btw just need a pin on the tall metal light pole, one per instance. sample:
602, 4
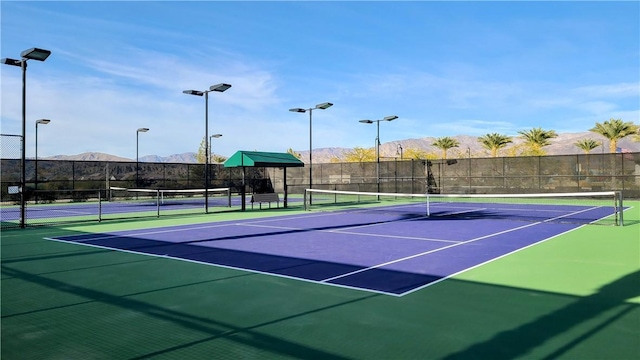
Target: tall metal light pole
211, 141
29, 54
322, 106
137, 159
387, 118
218, 88
43, 122
214, 136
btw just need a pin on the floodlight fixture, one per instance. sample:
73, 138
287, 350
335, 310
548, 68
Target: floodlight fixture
194, 92
366, 121
36, 54
390, 118
143, 129
43, 121
300, 110
216, 136
9, 61
323, 106
219, 87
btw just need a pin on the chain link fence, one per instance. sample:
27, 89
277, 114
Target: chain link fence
511, 175
10, 168
81, 181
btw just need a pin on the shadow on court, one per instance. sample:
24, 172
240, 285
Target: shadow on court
345, 325
64, 301
517, 342
301, 267
201, 324
309, 248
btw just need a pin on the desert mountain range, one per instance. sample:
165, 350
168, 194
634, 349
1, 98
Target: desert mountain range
564, 144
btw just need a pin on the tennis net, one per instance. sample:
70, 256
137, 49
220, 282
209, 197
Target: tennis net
166, 197
604, 207
121, 200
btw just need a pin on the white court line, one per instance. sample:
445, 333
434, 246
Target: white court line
179, 228
332, 213
348, 233
540, 210
486, 262
124, 233
321, 282
226, 267
448, 213
428, 252
450, 246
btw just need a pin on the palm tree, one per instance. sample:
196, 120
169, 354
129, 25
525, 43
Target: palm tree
614, 130
536, 139
587, 145
494, 142
445, 143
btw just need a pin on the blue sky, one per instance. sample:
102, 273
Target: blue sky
444, 68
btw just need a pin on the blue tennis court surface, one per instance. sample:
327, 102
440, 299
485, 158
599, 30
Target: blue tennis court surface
387, 252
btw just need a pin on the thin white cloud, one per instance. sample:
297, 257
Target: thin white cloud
610, 90
97, 102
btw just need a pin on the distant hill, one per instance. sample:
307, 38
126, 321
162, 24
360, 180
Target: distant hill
189, 157
562, 145
88, 156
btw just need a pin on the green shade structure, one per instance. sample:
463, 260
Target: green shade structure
262, 159
246, 159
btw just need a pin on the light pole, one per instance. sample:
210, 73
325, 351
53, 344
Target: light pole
211, 141
322, 106
43, 122
143, 130
29, 54
399, 150
218, 88
386, 118
216, 136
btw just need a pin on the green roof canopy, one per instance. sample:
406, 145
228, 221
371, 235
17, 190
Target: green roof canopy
262, 159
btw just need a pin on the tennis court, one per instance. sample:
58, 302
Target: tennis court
392, 249
484, 280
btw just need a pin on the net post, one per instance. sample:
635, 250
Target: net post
428, 205
158, 202
620, 209
229, 197
100, 205
304, 199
